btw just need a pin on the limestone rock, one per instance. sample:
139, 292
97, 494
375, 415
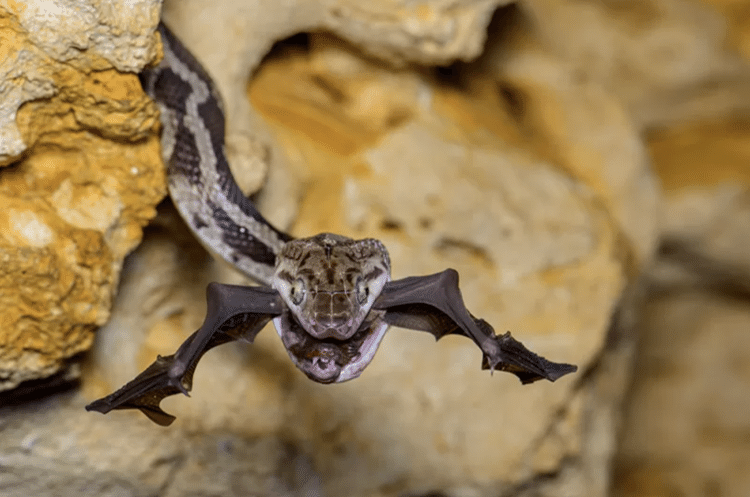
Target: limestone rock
694, 347
666, 60
82, 174
232, 39
55, 452
681, 428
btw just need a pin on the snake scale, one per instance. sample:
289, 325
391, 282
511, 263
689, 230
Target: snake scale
331, 298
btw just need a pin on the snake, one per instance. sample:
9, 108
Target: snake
328, 282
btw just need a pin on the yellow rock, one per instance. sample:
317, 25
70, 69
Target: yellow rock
82, 176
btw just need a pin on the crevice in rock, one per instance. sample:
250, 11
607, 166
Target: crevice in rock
537, 486
64, 380
175, 464
713, 275
450, 247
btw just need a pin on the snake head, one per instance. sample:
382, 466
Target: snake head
329, 283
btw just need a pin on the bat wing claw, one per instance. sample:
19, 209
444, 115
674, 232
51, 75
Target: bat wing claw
144, 392
513, 357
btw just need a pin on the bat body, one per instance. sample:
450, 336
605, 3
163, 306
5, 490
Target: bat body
425, 303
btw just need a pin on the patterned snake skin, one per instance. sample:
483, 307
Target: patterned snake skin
342, 276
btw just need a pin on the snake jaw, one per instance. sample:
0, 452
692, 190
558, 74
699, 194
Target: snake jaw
329, 284
329, 360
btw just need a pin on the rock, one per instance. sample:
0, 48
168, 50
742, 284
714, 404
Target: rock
690, 392
665, 60
82, 174
80, 458
694, 347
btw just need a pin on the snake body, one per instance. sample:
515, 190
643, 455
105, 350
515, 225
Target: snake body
328, 282
200, 180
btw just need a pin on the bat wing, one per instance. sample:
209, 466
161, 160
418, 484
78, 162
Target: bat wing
434, 304
234, 312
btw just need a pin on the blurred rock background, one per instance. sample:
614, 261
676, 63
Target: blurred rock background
583, 164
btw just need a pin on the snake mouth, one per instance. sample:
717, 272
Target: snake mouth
331, 360
321, 363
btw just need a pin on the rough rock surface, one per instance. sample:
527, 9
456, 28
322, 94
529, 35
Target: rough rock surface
82, 174
523, 166
684, 429
666, 60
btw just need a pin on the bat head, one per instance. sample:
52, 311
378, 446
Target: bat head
329, 283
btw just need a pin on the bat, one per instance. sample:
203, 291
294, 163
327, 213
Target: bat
431, 304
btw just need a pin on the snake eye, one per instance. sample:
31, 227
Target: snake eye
362, 291
297, 291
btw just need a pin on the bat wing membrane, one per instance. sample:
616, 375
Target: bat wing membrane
434, 304
427, 303
234, 312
